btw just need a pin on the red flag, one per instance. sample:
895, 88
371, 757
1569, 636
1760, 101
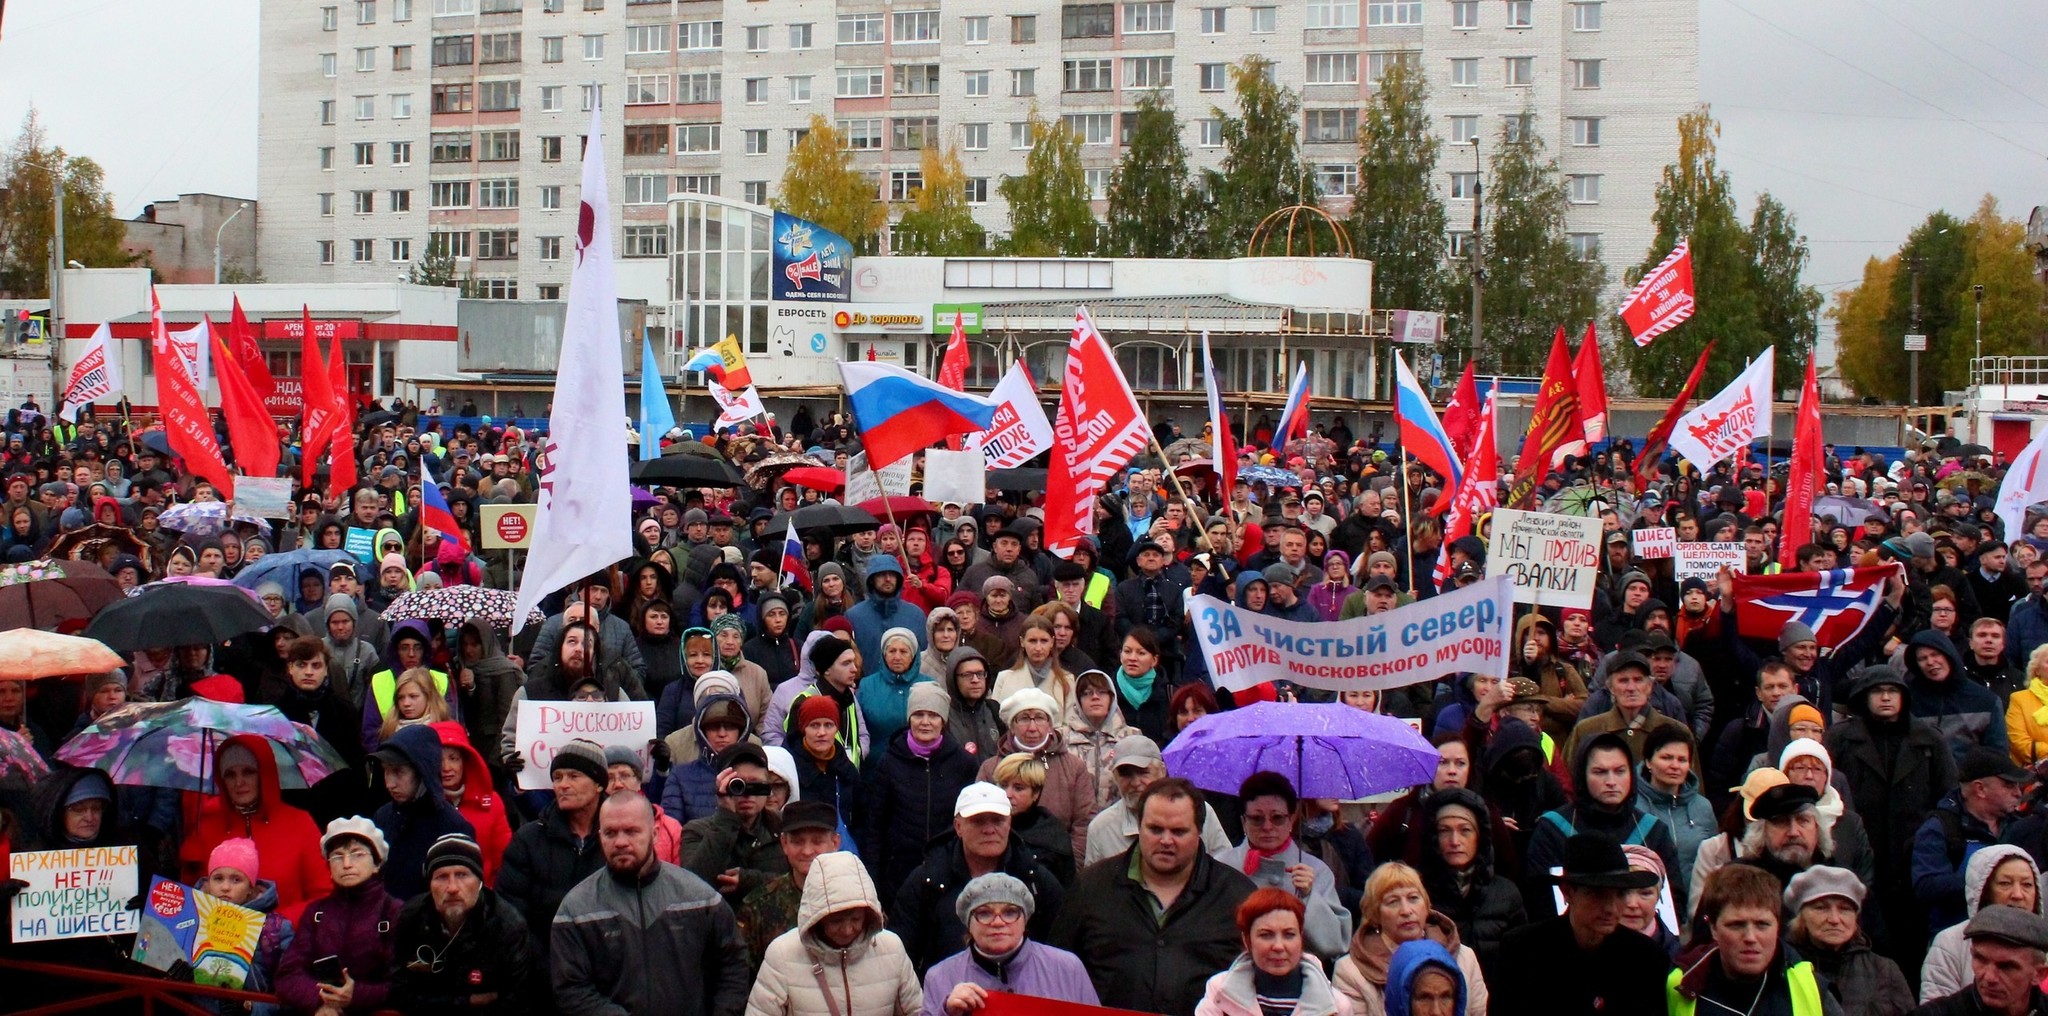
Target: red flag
1660, 435
1461, 414
871, 352
1592, 381
1554, 428
249, 425
248, 355
1664, 297
1093, 393
1476, 494
186, 424
1804, 473
1835, 604
953, 369
341, 456
318, 400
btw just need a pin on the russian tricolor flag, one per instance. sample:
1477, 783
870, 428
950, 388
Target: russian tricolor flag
794, 571
1421, 433
435, 514
900, 413
1294, 418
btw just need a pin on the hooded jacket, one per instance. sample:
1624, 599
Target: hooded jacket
1234, 992
977, 725
800, 969
1896, 771
1518, 783
1562, 684
876, 614
1483, 902
354, 662
358, 926
909, 804
410, 827
481, 805
287, 841
1095, 744
1965, 712
379, 697
885, 694
496, 682
662, 942
1408, 963
1363, 974
1947, 968
1625, 823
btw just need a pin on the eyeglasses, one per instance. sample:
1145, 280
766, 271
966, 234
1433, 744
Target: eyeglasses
1268, 820
998, 915
356, 855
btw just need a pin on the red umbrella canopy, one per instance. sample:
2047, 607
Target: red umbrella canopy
823, 479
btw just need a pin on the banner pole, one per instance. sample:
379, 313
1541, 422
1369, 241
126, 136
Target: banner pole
1174, 478
888, 507
1408, 522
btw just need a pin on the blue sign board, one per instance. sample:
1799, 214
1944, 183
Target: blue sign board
810, 262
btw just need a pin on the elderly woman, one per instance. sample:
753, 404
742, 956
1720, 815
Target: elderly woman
996, 908
1998, 874
1271, 856
1094, 724
1424, 980
1273, 973
941, 636
1070, 789
1639, 906
1397, 912
1022, 777
1824, 902
352, 924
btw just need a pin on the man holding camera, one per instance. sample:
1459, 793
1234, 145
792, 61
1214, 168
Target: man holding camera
737, 847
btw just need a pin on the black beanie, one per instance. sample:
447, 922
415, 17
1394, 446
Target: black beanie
826, 651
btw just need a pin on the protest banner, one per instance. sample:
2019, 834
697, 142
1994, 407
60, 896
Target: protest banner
864, 484
76, 893
1655, 543
1553, 560
266, 497
1464, 631
361, 543
217, 939
1705, 560
1020, 429
545, 727
959, 477
1002, 1003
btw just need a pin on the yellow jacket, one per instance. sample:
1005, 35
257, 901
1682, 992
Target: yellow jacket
2026, 723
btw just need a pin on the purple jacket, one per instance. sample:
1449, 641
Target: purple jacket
357, 925
1039, 970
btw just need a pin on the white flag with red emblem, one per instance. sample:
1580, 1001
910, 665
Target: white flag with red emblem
1098, 430
1663, 299
96, 375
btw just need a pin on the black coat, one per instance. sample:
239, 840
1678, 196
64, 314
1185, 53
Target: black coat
491, 954
908, 804
923, 915
1487, 904
1964, 1003
413, 826
1144, 963
1541, 971
1047, 840
543, 863
1896, 773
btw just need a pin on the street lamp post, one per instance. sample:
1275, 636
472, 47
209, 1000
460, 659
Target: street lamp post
1478, 249
1977, 361
243, 207
56, 284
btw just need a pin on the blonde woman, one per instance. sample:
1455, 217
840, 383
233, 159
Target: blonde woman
414, 700
2026, 713
1397, 911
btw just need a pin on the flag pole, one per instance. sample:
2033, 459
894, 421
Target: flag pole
1179, 491
1407, 521
888, 507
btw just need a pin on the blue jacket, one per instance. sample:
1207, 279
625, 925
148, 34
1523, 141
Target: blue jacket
413, 826
877, 613
885, 699
690, 792
1965, 713
1408, 961
2027, 629
1941, 851
1689, 815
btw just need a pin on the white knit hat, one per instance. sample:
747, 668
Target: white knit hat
360, 828
1028, 698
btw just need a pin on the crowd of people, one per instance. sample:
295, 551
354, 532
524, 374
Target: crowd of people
932, 768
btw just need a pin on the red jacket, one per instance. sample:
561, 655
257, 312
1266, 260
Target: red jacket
480, 802
287, 840
938, 584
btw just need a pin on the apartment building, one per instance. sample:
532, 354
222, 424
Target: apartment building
392, 126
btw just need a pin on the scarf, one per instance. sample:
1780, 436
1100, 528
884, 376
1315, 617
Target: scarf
923, 749
1040, 675
2040, 692
1138, 690
1253, 855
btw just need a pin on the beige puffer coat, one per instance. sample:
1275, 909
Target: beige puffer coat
871, 977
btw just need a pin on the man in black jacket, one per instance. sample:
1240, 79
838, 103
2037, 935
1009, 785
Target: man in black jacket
2006, 967
461, 947
552, 853
923, 914
1153, 922
1584, 962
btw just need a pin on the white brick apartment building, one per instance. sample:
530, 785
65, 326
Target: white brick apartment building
389, 124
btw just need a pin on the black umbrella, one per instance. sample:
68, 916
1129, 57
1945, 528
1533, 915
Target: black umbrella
836, 519
1019, 479
180, 614
687, 471
1970, 451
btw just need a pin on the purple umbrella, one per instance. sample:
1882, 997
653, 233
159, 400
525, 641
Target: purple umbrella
643, 498
1325, 750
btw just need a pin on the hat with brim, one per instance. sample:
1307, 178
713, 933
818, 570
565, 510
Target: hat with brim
1596, 862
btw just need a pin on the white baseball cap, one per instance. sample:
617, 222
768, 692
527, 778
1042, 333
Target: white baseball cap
981, 799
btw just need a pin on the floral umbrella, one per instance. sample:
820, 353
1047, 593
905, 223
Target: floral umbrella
764, 472
171, 744
46, 594
452, 605
1269, 474
19, 761
205, 518
86, 542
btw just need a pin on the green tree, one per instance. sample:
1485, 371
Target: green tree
92, 234
1397, 219
1152, 204
1534, 281
1787, 309
1936, 252
939, 223
1262, 168
1869, 353
1696, 201
1995, 257
434, 268
1050, 214
820, 183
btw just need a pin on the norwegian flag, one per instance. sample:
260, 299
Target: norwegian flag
1835, 604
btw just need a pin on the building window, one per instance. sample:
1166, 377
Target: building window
1520, 14
330, 64
1518, 70
401, 250
1209, 133
498, 146
914, 79
448, 194
861, 135
401, 106
800, 88
400, 200
756, 90
327, 157
1464, 129
551, 48
645, 242
646, 188
497, 193
498, 48
1089, 75
696, 137
915, 26
497, 96
550, 247
905, 183
974, 30
454, 50
974, 137
1586, 18
1585, 188
1265, 20
551, 149
454, 245
1585, 131
508, 289
977, 84
502, 6
1336, 179
757, 38
913, 133
454, 98
975, 189
859, 82
756, 141
548, 290
366, 153
330, 20
1465, 72
1586, 246
1376, 64
497, 244
1465, 14
366, 59
551, 98
1023, 29
1331, 125
700, 35
326, 247
327, 112
654, 38
1020, 135
1460, 244
1148, 72
646, 89
1335, 13
1097, 181
401, 153
1333, 68
1215, 20
451, 148
702, 183
401, 10
1585, 73
1023, 82
1464, 186
327, 203
362, 251
1516, 126
1213, 77
593, 47
401, 58
701, 87
800, 36
1390, 13
1148, 16
366, 107
1091, 128
859, 29
1087, 21
551, 197
445, 8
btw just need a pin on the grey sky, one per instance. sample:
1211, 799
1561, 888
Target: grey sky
1862, 115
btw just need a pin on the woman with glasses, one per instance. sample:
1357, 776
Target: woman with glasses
354, 925
997, 909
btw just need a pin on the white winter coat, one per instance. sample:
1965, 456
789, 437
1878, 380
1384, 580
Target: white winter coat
871, 977
1947, 968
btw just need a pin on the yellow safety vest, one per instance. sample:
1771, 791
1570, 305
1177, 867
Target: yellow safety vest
384, 684
1799, 976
